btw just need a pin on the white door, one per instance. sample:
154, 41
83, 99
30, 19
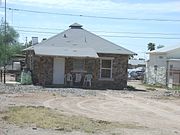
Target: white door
58, 71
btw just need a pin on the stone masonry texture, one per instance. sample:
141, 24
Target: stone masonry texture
42, 72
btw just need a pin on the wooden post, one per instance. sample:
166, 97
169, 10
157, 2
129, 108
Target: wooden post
1, 75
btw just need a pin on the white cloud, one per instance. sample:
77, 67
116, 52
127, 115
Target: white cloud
105, 5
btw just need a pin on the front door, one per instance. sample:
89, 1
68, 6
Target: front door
58, 71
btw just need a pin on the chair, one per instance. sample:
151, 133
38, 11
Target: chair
69, 79
78, 78
87, 80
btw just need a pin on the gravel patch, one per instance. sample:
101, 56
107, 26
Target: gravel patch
16, 88
158, 94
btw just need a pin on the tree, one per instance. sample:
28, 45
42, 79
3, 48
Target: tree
29, 44
11, 34
9, 44
151, 46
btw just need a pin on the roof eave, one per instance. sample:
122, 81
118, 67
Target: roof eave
131, 54
156, 53
67, 56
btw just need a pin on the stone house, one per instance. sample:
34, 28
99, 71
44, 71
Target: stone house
163, 66
77, 50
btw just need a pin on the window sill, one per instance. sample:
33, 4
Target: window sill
106, 79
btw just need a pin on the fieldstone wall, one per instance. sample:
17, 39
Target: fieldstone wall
29, 58
42, 73
119, 73
156, 76
68, 65
92, 66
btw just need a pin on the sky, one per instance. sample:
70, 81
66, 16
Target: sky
128, 32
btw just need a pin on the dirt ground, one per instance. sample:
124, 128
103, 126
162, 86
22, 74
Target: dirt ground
152, 111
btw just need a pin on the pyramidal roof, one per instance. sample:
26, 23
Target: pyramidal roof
77, 37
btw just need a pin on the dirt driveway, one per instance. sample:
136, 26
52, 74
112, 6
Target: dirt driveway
156, 116
154, 113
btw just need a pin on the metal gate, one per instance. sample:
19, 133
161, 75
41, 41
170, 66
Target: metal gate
174, 78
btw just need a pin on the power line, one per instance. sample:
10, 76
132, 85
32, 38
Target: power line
36, 31
104, 35
44, 34
140, 37
123, 32
44, 28
145, 33
93, 16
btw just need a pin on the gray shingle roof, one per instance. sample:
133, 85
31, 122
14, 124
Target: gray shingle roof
77, 37
65, 51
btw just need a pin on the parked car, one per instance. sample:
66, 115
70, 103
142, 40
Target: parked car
137, 75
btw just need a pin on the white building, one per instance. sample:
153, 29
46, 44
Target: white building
163, 66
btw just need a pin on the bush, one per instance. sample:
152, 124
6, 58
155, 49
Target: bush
129, 87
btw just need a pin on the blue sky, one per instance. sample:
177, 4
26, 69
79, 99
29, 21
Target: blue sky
158, 9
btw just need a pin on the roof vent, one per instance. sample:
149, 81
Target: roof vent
34, 40
65, 36
75, 26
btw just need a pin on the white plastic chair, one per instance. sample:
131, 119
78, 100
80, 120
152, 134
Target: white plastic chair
78, 78
69, 79
87, 80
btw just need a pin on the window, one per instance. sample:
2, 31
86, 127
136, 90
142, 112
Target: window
106, 68
78, 64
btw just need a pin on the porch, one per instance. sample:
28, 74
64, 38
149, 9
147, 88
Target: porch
107, 71
78, 72
71, 72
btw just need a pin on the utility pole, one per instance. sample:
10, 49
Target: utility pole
5, 41
26, 43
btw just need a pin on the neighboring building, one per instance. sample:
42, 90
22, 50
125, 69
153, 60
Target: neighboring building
163, 66
78, 51
16, 63
135, 63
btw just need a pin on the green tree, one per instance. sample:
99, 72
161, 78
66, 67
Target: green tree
11, 34
29, 44
9, 44
151, 46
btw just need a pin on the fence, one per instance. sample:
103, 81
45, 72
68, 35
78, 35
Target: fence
174, 78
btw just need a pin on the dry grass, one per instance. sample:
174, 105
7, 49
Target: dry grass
43, 117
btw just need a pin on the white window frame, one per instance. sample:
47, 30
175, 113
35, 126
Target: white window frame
111, 69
